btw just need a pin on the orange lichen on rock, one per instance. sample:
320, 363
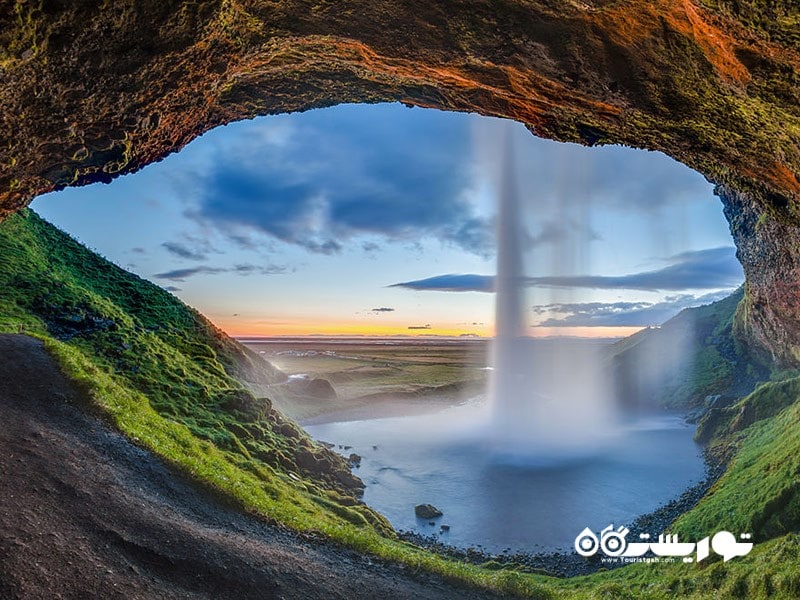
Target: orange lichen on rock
785, 179
717, 44
637, 24
516, 93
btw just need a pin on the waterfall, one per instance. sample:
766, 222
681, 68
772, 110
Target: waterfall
549, 398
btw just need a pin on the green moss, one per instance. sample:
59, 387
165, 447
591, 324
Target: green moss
776, 20
759, 491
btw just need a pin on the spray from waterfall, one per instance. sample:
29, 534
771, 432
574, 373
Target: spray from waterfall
550, 399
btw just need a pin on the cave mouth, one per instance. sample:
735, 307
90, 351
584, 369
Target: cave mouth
385, 186
91, 92
387, 215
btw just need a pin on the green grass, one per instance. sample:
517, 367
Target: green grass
691, 356
170, 381
760, 492
150, 343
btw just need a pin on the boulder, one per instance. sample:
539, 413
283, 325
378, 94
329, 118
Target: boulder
427, 511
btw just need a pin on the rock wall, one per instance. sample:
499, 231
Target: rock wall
91, 89
768, 247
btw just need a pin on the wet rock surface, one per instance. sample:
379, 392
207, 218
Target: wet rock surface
427, 511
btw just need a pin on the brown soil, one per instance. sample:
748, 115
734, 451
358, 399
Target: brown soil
84, 513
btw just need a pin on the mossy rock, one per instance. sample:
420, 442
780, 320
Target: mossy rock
244, 402
427, 511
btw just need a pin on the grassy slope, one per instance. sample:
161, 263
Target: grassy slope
691, 356
143, 342
163, 375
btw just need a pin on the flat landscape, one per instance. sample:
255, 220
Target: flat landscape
355, 378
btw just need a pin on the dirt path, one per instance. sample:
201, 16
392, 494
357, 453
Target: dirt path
86, 514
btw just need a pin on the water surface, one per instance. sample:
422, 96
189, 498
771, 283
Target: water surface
524, 505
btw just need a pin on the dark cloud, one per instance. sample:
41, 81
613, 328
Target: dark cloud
172, 288
713, 268
419, 326
182, 251
183, 274
138, 250
451, 283
618, 314
248, 269
709, 269
370, 247
382, 309
244, 270
338, 175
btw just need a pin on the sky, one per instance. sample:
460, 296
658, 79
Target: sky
379, 220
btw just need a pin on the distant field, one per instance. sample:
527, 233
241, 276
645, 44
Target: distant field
372, 377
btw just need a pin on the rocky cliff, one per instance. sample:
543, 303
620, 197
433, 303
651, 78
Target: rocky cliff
90, 90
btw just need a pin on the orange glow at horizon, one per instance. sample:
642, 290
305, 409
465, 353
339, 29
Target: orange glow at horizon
241, 327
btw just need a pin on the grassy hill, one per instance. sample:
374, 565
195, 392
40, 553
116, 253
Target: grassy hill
111, 327
173, 383
693, 355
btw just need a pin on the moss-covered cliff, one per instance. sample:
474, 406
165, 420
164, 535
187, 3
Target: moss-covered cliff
122, 332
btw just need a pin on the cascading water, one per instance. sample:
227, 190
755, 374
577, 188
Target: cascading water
550, 399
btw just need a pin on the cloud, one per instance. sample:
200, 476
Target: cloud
138, 250
383, 309
608, 176
244, 270
172, 288
564, 230
370, 247
182, 251
183, 274
619, 314
338, 175
428, 326
713, 268
451, 283
710, 269
248, 269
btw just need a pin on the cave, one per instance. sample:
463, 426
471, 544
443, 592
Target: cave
91, 90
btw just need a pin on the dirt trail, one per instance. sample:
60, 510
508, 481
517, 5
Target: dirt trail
86, 514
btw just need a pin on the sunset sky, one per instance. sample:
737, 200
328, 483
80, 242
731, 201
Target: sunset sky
379, 220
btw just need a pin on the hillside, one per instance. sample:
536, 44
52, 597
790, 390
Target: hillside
688, 359
114, 327
85, 513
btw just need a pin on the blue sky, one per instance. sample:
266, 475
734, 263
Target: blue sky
377, 219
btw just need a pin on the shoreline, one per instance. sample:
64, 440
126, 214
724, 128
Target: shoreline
387, 405
568, 563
